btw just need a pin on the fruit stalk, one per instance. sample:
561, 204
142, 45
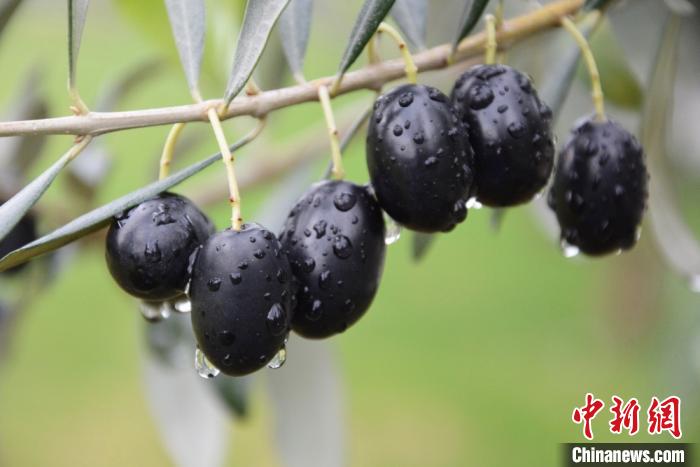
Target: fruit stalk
168, 149
227, 157
336, 156
491, 43
371, 77
410, 68
587, 53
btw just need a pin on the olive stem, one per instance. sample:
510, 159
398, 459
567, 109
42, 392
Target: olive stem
491, 43
500, 10
587, 53
411, 68
336, 156
227, 157
347, 138
372, 52
78, 107
80, 143
168, 150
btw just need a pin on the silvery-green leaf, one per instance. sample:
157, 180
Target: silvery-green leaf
307, 406
368, 20
412, 18
187, 19
190, 417
473, 9
100, 217
421, 243
294, 29
260, 17
7, 9
77, 11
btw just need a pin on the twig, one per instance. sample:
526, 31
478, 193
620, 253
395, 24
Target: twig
371, 77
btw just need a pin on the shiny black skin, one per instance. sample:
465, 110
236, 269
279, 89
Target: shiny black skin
149, 246
419, 159
334, 238
21, 234
510, 132
600, 188
242, 299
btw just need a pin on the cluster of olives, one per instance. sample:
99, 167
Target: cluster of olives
428, 156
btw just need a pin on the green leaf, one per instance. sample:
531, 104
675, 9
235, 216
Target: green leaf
412, 18
421, 243
77, 12
187, 19
97, 218
294, 29
7, 9
368, 20
260, 17
620, 84
473, 9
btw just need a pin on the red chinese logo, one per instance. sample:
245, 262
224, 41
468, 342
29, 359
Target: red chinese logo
661, 416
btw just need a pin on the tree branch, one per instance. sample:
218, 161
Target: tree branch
371, 77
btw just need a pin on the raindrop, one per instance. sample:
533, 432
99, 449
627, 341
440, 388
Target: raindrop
406, 99
398, 131
279, 359
277, 320
393, 231
204, 367
235, 278
154, 311
182, 305
315, 312
473, 203
214, 284
569, 250
344, 201
152, 252
342, 247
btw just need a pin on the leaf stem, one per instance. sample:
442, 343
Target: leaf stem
336, 156
491, 43
168, 150
596, 87
80, 144
411, 69
227, 157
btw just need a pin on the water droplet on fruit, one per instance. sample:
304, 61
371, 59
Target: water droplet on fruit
235, 278
279, 359
398, 131
517, 129
393, 231
309, 264
344, 201
342, 247
479, 96
569, 250
182, 305
314, 313
406, 99
214, 284
320, 228
204, 367
419, 137
502, 108
430, 161
226, 338
154, 311
276, 320
152, 252
324, 279
473, 203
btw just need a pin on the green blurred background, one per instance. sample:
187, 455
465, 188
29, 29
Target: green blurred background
475, 356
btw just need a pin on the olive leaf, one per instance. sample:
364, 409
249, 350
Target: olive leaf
260, 17
473, 9
368, 20
77, 12
412, 18
187, 19
7, 9
294, 29
97, 218
676, 241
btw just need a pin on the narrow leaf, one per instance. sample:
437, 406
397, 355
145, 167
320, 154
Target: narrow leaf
294, 29
260, 17
77, 11
97, 218
412, 18
368, 20
421, 243
7, 9
473, 9
187, 19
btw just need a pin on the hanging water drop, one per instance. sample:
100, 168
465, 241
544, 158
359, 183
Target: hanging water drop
279, 359
569, 250
472, 203
182, 305
393, 231
204, 367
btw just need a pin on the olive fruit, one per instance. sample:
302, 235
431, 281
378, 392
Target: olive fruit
334, 238
510, 132
242, 299
149, 246
22, 233
599, 190
419, 159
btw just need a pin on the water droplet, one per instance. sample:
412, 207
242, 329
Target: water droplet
517, 129
473, 203
309, 264
204, 367
214, 284
419, 137
281, 276
235, 278
569, 250
344, 201
502, 108
314, 313
393, 231
279, 359
406, 99
324, 279
182, 305
154, 311
277, 320
152, 252
479, 96
226, 338
342, 247
430, 161
398, 131
259, 254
